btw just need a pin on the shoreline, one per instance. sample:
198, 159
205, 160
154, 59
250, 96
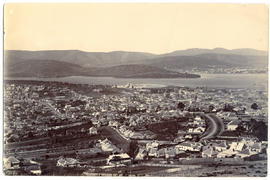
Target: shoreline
234, 81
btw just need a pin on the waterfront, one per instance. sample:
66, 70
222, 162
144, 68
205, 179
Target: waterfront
253, 81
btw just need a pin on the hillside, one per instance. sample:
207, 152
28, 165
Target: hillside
51, 68
41, 68
209, 60
201, 58
137, 71
198, 51
85, 59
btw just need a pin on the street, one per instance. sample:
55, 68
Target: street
215, 126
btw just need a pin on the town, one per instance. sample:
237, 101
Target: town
57, 128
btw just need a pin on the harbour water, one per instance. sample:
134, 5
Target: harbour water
253, 81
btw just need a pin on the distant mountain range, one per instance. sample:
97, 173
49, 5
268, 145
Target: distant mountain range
85, 59
197, 51
55, 63
209, 61
51, 68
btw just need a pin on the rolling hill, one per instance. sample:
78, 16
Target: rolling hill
41, 68
209, 60
198, 51
56, 63
52, 68
85, 59
236, 57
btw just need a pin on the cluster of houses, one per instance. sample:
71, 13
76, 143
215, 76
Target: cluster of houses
214, 149
235, 149
30, 109
14, 166
118, 159
155, 149
67, 162
107, 146
197, 125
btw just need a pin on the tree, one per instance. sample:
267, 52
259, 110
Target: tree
254, 106
260, 131
181, 106
133, 146
228, 108
30, 134
211, 108
240, 129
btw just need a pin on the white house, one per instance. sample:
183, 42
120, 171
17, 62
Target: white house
153, 152
199, 130
197, 118
141, 154
150, 145
67, 162
188, 136
231, 126
107, 146
221, 146
208, 152
11, 163
256, 147
113, 124
34, 169
189, 146
237, 146
96, 123
117, 159
93, 130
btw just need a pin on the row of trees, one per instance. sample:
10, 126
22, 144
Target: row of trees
255, 128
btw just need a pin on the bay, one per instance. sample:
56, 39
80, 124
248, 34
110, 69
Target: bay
253, 81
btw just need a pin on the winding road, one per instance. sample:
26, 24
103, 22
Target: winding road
215, 126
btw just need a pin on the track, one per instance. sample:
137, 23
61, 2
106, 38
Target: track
215, 126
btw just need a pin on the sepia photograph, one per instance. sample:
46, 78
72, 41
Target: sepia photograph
135, 89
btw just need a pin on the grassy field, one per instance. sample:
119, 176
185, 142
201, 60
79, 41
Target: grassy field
250, 169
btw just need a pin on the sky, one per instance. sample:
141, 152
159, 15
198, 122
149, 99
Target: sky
149, 27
